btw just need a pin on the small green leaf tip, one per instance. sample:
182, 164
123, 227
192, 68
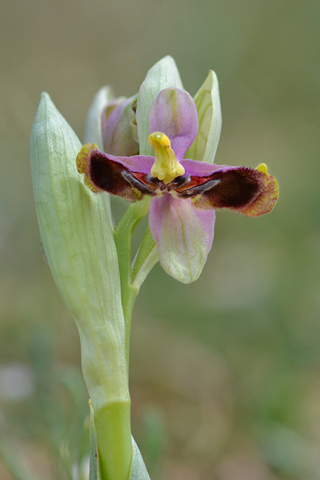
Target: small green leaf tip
94, 473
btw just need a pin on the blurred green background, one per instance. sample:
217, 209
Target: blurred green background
224, 372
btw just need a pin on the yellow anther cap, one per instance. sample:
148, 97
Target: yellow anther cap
166, 167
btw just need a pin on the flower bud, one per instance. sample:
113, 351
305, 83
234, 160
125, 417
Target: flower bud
94, 125
118, 138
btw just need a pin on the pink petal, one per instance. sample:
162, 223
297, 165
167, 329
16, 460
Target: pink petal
183, 235
201, 169
137, 163
174, 113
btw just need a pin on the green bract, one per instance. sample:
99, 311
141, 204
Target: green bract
207, 101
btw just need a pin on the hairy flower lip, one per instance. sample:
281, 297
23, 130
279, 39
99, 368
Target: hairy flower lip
236, 188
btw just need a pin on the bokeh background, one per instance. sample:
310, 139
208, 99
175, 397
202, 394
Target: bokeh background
225, 373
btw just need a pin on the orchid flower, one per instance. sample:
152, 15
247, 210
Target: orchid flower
184, 193
155, 150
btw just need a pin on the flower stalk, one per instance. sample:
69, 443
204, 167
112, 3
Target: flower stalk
123, 235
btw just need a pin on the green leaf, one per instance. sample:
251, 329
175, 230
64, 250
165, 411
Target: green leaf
78, 240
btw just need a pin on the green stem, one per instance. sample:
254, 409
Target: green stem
123, 235
112, 424
115, 415
107, 383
